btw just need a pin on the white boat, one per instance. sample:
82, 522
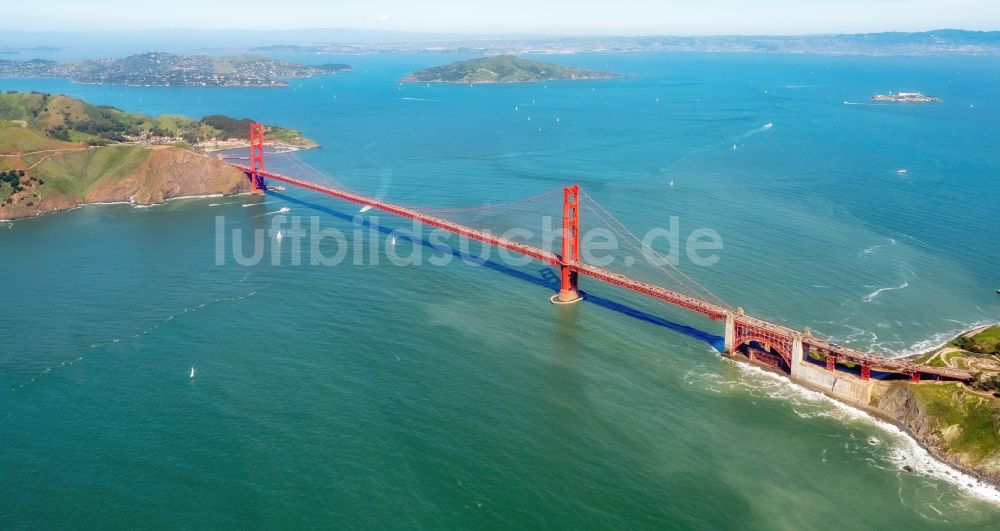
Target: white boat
192, 373
366, 208
902, 171
392, 241
279, 236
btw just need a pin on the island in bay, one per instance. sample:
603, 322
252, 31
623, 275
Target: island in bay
502, 69
58, 152
905, 97
167, 69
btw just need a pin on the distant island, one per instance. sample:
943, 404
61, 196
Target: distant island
502, 69
57, 152
166, 69
905, 97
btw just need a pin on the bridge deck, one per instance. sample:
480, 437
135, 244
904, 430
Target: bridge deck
703, 307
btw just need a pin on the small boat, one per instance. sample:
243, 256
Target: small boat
671, 184
279, 236
192, 373
873, 441
366, 208
998, 292
902, 171
392, 241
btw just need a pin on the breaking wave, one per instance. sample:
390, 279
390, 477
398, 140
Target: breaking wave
871, 296
900, 449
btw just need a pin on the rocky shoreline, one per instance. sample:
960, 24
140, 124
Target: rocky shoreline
903, 405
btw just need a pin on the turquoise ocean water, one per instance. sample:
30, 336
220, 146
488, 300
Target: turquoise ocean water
452, 397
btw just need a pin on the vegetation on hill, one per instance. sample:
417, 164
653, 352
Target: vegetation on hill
502, 69
957, 424
59, 152
66, 119
984, 342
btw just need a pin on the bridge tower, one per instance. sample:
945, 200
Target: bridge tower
257, 185
568, 292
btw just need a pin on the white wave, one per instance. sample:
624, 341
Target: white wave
871, 296
903, 449
941, 339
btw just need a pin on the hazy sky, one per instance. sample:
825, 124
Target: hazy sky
619, 17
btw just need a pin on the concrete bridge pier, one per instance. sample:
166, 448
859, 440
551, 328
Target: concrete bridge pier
797, 352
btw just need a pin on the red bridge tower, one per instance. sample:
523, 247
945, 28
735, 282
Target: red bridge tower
568, 292
257, 185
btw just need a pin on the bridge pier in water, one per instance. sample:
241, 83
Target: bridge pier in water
762, 342
569, 291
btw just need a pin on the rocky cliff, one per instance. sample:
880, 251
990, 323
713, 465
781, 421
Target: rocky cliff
957, 425
134, 174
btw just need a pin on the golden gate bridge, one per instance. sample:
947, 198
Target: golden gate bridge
760, 340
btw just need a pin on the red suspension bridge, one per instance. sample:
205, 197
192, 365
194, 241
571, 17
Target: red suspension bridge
761, 340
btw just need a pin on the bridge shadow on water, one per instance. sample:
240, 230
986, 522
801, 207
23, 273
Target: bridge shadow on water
546, 277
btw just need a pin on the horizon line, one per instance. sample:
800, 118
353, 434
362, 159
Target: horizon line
496, 35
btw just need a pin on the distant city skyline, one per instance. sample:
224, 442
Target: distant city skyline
555, 17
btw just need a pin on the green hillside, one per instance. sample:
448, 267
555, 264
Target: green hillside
71, 120
57, 151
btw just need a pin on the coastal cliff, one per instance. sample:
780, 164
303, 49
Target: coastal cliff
76, 175
957, 422
957, 425
58, 152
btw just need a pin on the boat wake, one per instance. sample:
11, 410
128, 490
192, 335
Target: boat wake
151, 329
766, 127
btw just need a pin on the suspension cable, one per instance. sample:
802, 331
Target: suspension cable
657, 254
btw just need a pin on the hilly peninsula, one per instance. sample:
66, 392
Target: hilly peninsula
167, 69
502, 69
58, 152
